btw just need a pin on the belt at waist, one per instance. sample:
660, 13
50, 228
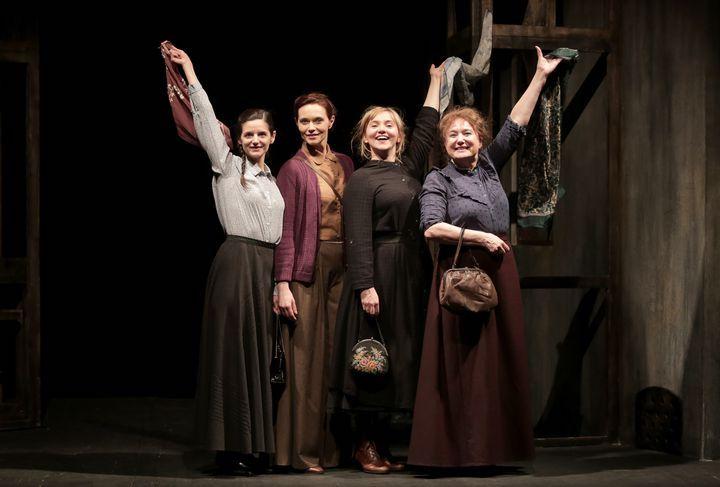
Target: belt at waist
251, 241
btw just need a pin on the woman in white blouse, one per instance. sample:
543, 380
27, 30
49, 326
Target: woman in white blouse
234, 399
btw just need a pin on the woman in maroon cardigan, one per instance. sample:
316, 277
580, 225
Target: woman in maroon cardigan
309, 271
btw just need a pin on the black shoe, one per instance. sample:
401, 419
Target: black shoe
231, 463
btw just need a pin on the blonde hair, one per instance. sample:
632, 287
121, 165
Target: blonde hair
368, 115
470, 115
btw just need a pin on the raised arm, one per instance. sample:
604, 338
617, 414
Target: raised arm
508, 138
207, 127
523, 109
432, 99
423, 135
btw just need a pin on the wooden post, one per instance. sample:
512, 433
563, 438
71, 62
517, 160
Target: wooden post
614, 226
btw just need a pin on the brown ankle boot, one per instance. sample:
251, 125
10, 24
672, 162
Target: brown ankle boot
368, 458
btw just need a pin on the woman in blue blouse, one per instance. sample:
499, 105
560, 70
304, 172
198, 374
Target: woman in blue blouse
472, 406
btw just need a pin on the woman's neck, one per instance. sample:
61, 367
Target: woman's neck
260, 162
387, 156
467, 163
318, 150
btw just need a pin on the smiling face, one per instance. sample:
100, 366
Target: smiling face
382, 135
314, 124
255, 138
461, 141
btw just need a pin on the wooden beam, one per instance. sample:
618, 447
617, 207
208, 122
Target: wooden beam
32, 291
476, 21
451, 19
615, 199
507, 36
16, 51
11, 315
550, 13
571, 114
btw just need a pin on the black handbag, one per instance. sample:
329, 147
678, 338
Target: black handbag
369, 357
277, 364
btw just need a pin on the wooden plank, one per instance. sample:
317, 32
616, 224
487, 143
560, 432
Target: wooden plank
711, 332
564, 282
571, 114
615, 195
451, 19
476, 21
550, 13
11, 315
15, 51
526, 36
534, 13
32, 290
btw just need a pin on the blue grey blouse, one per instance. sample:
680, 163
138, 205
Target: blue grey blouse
474, 198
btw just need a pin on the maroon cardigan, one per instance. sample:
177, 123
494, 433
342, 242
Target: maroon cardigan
299, 186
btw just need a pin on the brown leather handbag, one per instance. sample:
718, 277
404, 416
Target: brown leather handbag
467, 289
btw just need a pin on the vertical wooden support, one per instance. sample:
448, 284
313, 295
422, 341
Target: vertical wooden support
550, 13
451, 19
614, 226
24, 409
32, 291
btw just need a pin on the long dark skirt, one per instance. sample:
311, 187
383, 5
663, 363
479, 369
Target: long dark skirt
400, 280
234, 399
473, 398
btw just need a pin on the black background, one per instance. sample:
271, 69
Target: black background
128, 222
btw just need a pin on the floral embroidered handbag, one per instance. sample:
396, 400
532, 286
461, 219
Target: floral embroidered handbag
369, 357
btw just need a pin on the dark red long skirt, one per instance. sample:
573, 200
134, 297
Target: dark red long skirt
472, 406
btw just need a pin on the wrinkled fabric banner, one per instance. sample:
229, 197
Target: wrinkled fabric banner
180, 101
459, 78
539, 168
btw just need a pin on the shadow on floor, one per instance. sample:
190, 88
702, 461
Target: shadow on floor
188, 465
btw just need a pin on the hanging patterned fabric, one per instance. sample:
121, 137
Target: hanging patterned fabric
539, 169
180, 101
459, 78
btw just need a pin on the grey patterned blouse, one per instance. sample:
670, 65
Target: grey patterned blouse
474, 198
255, 211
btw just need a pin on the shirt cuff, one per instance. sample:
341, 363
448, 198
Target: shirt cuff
514, 126
194, 88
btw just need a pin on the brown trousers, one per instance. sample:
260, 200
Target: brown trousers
303, 437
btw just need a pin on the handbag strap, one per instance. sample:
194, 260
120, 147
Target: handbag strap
457, 250
377, 323
459, 244
279, 345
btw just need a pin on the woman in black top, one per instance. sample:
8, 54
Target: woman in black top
385, 281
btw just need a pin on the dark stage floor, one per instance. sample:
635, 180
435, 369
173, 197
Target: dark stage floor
146, 442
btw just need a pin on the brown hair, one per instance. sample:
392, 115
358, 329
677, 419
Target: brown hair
368, 115
470, 115
246, 116
315, 98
